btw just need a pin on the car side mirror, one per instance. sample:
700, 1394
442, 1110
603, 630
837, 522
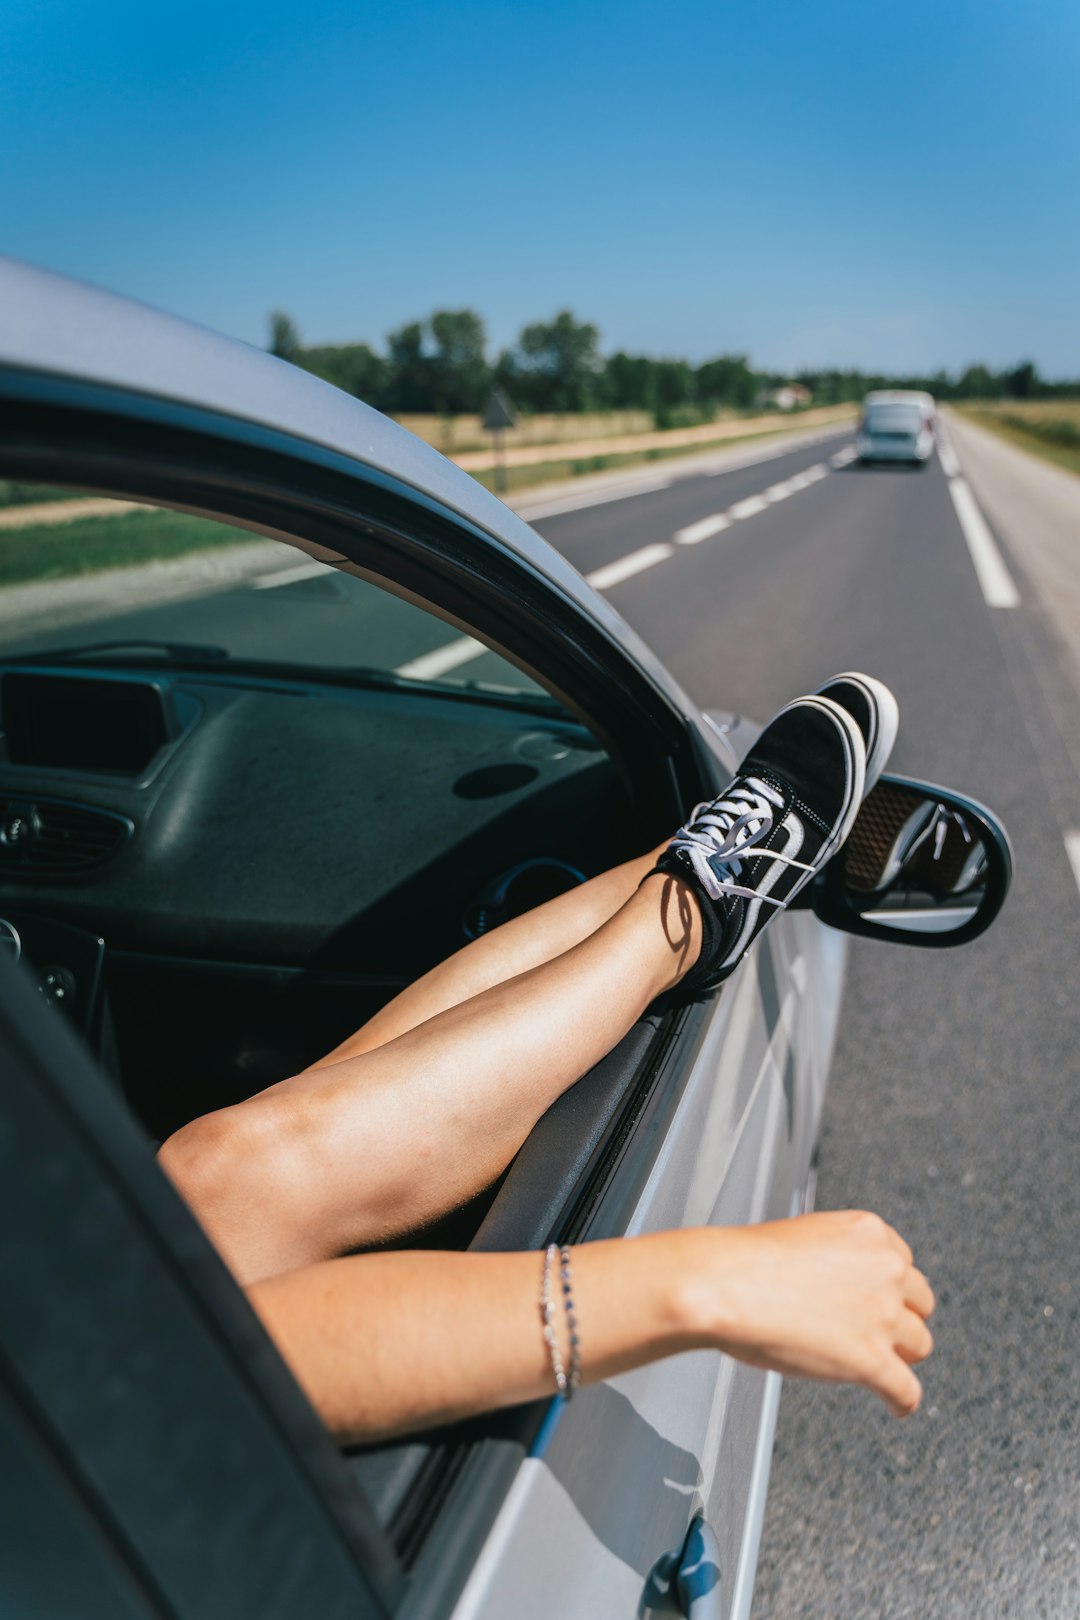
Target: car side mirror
921, 866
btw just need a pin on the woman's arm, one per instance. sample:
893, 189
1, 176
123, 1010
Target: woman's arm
386, 1343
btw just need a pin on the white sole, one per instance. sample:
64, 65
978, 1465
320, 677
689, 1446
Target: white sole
888, 721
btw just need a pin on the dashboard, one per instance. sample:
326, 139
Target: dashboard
185, 855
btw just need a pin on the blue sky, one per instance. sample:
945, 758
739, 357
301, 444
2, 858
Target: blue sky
807, 181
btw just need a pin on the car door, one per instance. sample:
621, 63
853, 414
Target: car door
704, 1113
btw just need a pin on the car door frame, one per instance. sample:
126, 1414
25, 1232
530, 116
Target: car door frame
60, 430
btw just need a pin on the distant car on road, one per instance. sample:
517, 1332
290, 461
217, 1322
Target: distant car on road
896, 425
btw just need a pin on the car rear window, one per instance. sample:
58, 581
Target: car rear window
894, 418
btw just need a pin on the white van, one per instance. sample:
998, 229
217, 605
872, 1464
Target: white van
896, 425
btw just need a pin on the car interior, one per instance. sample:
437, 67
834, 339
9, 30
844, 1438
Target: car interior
221, 860
235, 822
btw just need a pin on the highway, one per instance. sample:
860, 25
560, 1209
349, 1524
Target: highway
954, 1104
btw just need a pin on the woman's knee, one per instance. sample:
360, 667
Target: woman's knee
219, 1161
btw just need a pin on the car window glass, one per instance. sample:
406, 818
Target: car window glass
76, 569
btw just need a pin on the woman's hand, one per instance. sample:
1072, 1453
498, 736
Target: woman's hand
833, 1296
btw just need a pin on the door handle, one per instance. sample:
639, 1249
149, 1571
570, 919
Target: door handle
697, 1580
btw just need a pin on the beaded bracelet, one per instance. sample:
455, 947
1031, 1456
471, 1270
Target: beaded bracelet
573, 1377
565, 1382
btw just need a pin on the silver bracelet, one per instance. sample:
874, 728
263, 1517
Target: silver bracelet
573, 1377
547, 1312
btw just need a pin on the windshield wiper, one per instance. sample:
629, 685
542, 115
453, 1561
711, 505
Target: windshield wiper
183, 652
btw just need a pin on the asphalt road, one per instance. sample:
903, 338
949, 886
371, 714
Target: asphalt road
954, 1105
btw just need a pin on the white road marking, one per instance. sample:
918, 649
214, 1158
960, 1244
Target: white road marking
694, 533
814, 473
779, 492
947, 456
748, 508
1072, 850
842, 457
429, 666
994, 578
290, 576
614, 573
573, 503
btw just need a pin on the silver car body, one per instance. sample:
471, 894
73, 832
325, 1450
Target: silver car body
618, 1474
896, 425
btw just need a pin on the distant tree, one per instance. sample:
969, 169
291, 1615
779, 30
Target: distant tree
727, 380
460, 374
628, 383
284, 335
556, 366
1023, 382
978, 382
354, 367
410, 386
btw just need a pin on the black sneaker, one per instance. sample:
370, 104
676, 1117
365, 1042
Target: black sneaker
749, 852
876, 711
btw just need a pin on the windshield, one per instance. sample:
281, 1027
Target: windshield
80, 574
894, 418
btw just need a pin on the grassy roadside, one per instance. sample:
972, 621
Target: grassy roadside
12, 494
1049, 428
134, 537
125, 541
552, 472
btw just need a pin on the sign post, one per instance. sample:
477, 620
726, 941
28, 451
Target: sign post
501, 414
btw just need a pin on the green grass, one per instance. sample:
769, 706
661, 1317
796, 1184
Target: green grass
12, 494
89, 544
1054, 437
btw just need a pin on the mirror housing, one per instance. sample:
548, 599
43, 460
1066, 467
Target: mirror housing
921, 866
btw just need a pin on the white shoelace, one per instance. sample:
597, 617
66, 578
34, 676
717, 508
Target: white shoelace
730, 831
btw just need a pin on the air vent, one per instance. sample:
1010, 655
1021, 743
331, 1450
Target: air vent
52, 838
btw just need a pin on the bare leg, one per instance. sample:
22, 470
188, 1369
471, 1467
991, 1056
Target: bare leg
518, 945
384, 1141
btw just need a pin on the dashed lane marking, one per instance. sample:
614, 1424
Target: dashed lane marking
994, 578
291, 576
602, 579
748, 508
844, 456
704, 529
429, 666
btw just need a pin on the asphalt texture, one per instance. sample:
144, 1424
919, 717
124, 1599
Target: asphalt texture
954, 1102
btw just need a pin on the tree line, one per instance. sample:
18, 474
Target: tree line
440, 365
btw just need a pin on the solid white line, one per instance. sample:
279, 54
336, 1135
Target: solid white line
694, 533
429, 666
748, 508
947, 456
289, 576
1072, 850
990, 570
602, 579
